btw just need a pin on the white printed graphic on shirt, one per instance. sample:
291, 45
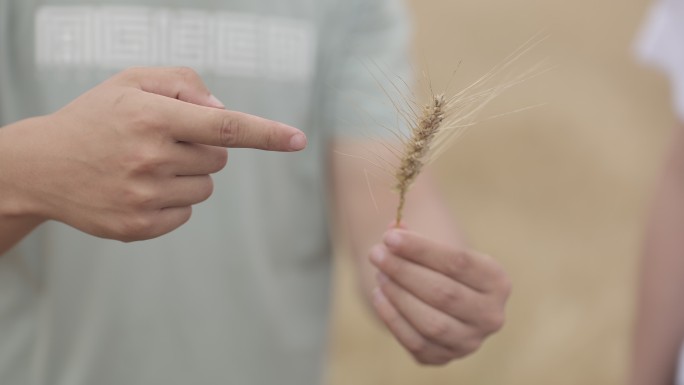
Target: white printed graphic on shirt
225, 43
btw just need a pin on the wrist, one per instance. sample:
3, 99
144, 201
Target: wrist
17, 200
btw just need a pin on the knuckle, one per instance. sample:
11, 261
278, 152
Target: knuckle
446, 296
494, 321
469, 346
505, 285
459, 263
206, 189
145, 161
184, 216
122, 233
179, 218
144, 117
138, 197
187, 73
221, 159
270, 139
136, 113
417, 347
230, 132
500, 282
437, 329
136, 227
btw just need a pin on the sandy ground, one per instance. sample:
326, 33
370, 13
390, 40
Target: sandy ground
558, 194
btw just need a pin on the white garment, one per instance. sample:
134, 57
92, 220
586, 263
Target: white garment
661, 43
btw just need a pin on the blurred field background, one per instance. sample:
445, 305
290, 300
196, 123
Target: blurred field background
558, 193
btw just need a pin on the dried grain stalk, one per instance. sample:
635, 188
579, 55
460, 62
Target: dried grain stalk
443, 119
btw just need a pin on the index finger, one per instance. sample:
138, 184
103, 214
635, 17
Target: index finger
216, 127
478, 271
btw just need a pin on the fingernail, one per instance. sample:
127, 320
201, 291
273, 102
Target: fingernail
297, 142
377, 254
392, 238
214, 102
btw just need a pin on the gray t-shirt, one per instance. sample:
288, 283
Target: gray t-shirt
239, 295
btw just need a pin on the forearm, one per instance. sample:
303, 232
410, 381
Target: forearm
660, 320
17, 218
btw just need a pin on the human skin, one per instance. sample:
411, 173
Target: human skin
659, 328
127, 159
438, 297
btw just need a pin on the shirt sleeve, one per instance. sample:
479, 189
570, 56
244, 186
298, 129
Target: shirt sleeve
367, 71
661, 44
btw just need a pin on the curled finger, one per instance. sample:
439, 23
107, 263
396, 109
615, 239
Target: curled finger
420, 348
434, 325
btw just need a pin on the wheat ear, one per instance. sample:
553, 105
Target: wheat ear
445, 118
417, 147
